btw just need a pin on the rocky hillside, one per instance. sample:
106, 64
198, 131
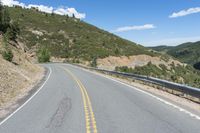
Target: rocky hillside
112, 62
68, 37
162, 67
16, 77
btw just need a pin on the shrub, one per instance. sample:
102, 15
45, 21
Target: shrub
7, 55
94, 62
43, 55
4, 18
12, 31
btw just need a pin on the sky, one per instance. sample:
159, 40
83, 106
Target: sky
146, 22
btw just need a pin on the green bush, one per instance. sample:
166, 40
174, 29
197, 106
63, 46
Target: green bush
4, 18
94, 62
12, 31
7, 55
43, 55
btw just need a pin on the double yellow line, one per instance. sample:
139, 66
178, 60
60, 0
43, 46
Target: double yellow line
89, 114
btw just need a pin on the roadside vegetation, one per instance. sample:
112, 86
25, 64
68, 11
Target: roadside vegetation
9, 31
6, 52
17, 73
7, 55
43, 55
179, 74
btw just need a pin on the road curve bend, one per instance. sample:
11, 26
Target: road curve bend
77, 101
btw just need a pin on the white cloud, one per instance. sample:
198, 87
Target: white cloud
12, 3
70, 12
130, 28
61, 11
47, 9
42, 8
185, 12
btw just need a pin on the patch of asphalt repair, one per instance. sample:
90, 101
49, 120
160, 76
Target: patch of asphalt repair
57, 119
21, 101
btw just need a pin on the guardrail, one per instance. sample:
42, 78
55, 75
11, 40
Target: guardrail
186, 91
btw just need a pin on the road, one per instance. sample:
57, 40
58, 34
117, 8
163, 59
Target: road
77, 101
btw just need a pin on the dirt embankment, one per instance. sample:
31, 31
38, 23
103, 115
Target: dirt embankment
16, 79
111, 62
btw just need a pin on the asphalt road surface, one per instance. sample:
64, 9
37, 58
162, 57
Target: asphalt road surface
73, 100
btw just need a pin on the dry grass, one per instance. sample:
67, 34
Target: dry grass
16, 80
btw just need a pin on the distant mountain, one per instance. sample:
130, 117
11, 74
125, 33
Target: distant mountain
162, 49
187, 52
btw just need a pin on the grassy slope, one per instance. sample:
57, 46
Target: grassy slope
187, 52
68, 37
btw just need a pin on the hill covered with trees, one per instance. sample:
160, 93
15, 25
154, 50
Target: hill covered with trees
188, 52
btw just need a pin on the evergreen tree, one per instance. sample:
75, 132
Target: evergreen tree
12, 31
94, 62
44, 55
1, 15
4, 18
7, 52
73, 15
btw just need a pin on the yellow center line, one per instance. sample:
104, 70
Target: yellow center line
91, 110
89, 114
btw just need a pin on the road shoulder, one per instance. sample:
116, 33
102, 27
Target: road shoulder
24, 95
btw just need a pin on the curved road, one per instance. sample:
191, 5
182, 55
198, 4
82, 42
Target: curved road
76, 101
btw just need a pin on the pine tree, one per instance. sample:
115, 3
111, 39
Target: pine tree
73, 15
12, 31
4, 18
1, 15
1, 6
44, 55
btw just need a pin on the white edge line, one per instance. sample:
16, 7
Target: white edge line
8, 117
147, 93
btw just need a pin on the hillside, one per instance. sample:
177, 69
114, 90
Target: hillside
68, 37
16, 78
187, 52
71, 39
159, 67
163, 49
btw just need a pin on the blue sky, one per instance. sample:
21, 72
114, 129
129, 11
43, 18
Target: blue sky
160, 29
